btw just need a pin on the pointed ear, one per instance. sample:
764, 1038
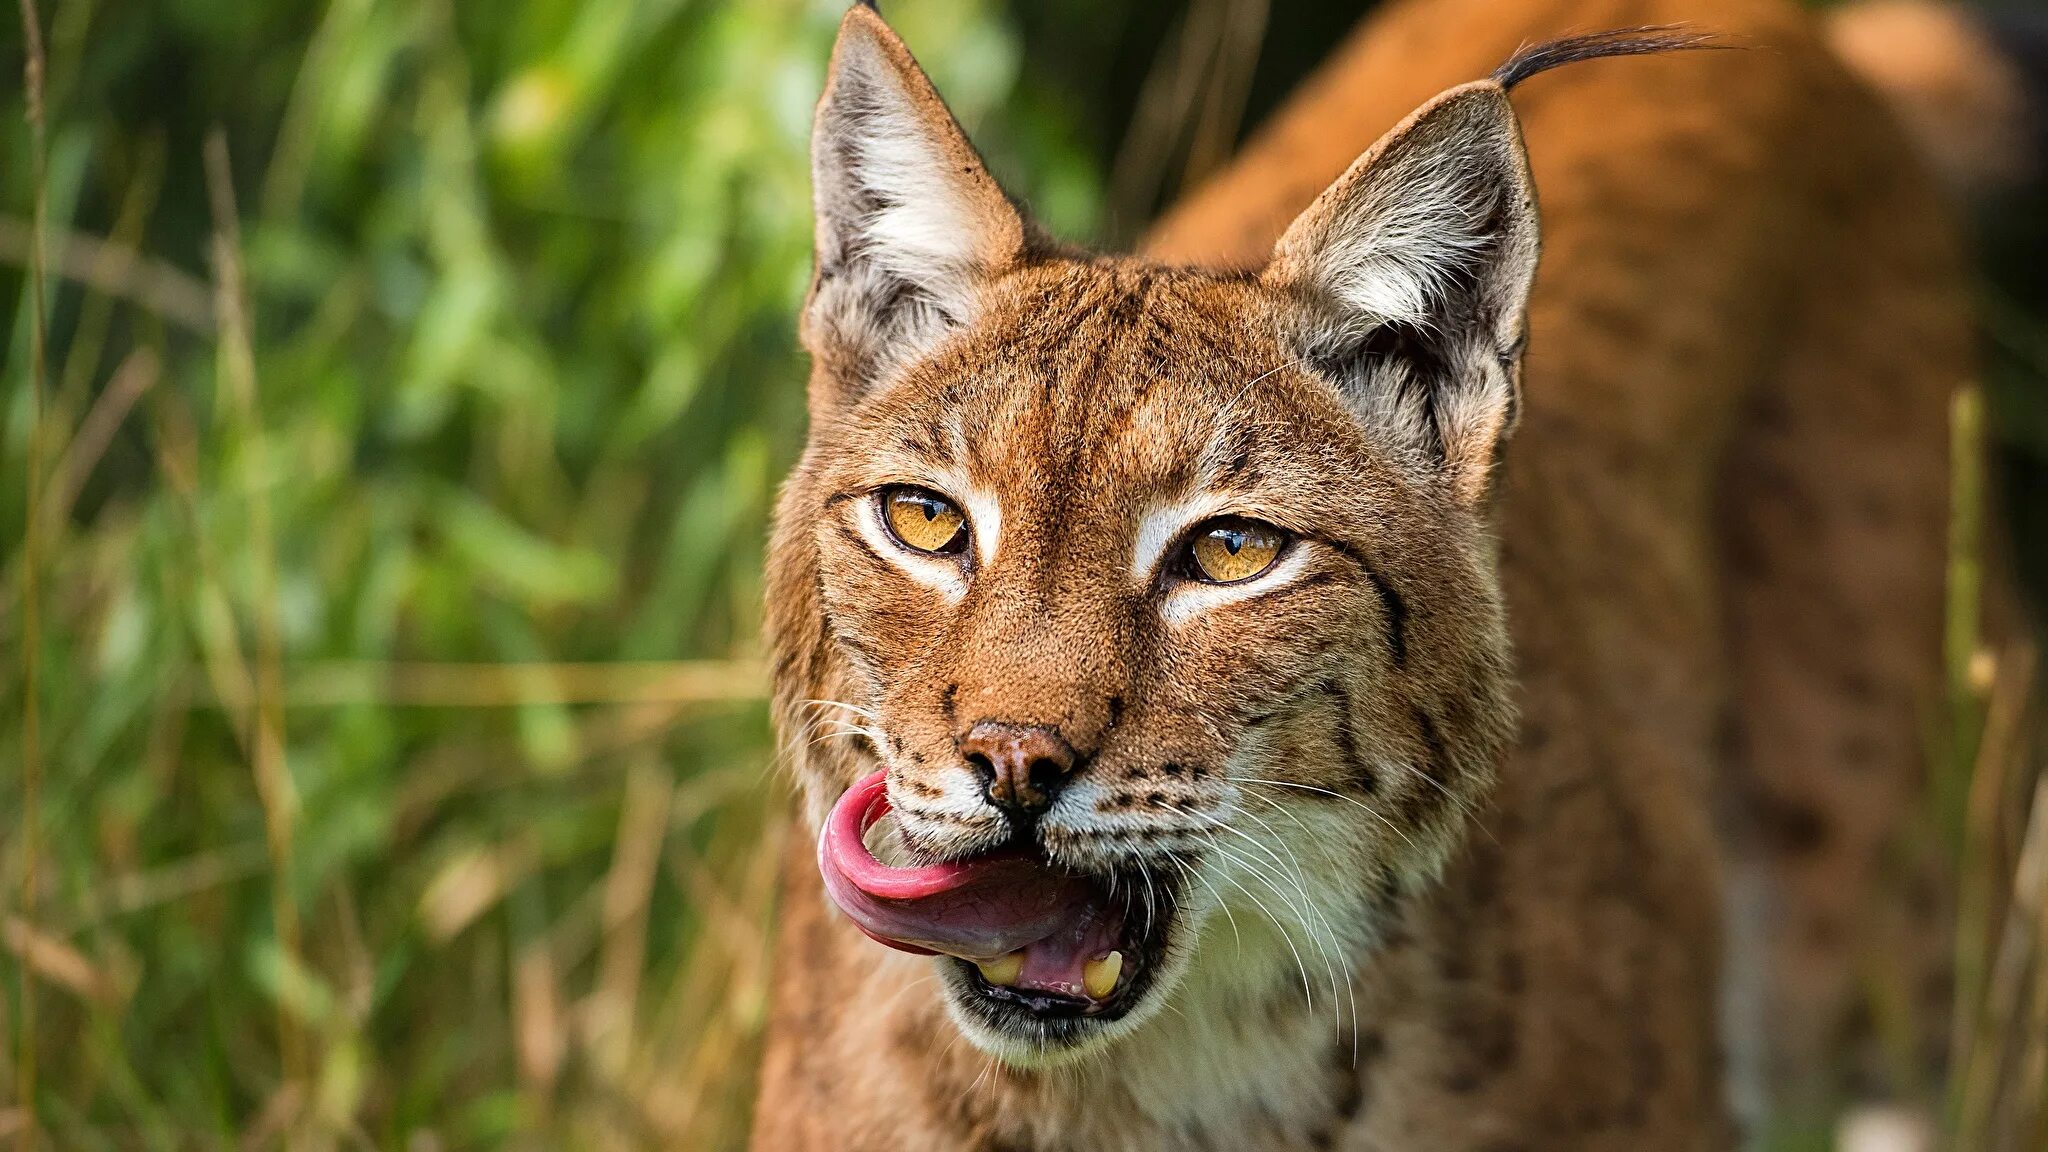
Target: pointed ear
1410, 281
909, 223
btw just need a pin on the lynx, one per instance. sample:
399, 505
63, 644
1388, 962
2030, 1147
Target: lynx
1216, 738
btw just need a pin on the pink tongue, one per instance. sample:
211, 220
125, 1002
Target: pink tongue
977, 909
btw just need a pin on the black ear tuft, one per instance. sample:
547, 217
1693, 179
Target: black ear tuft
870, 5
1645, 40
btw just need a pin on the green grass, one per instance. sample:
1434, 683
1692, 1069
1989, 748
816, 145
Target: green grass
390, 491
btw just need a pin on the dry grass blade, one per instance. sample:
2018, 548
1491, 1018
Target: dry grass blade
2032, 1125
608, 1014
279, 1114
58, 962
718, 997
136, 375
264, 722
117, 270
1214, 132
471, 884
1980, 887
334, 684
1963, 626
136, 891
1995, 1063
31, 568
101, 325
1193, 98
539, 1024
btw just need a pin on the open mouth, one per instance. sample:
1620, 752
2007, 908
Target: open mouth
1031, 939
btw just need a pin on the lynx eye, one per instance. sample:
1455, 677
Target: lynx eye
924, 521
1232, 550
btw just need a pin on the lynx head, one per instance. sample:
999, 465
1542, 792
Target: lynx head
1167, 591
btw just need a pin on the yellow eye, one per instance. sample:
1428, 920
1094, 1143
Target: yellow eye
1231, 550
924, 521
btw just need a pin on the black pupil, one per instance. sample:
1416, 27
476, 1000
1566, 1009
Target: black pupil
931, 509
1231, 540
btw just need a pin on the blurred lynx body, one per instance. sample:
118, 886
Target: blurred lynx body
1706, 573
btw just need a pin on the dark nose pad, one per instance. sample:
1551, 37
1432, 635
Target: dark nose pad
1025, 768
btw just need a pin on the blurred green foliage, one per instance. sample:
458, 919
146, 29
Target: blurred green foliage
520, 285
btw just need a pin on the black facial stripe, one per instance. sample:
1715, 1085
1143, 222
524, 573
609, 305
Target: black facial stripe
1397, 616
1153, 844
1347, 737
940, 819
851, 535
858, 648
1312, 580
919, 787
1441, 767
1390, 598
924, 450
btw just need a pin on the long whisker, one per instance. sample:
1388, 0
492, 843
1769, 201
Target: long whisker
1294, 868
846, 732
1267, 853
785, 757
1306, 993
1194, 876
1350, 986
868, 730
1254, 381
1369, 809
856, 709
887, 1005
1321, 932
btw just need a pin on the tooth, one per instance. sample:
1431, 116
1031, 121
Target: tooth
1003, 970
1099, 976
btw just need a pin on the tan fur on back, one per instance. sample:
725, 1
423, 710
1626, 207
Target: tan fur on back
1713, 542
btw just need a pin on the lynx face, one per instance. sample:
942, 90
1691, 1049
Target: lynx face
1167, 589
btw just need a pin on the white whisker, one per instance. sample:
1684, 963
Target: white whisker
1369, 809
1307, 994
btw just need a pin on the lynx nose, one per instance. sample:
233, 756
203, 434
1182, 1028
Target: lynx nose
1025, 767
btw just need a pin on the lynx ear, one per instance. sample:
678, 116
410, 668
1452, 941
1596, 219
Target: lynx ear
909, 222
1411, 276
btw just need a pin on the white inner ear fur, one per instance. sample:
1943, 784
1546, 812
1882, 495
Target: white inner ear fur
1432, 235
909, 224
1390, 251
923, 229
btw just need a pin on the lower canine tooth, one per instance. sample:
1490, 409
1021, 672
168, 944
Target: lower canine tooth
1003, 970
1099, 976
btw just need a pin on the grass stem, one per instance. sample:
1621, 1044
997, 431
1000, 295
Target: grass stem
31, 568
264, 718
